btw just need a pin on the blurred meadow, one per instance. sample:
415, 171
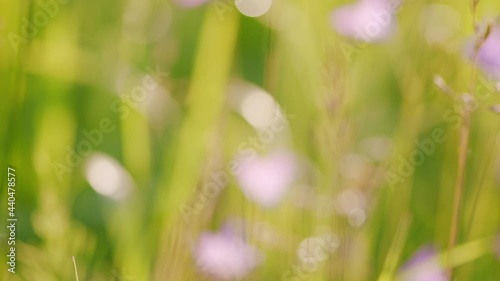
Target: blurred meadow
250, 140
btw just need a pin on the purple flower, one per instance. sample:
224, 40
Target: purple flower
265, 180
424, 266
225, 255
366, 20
191, 3
488, 56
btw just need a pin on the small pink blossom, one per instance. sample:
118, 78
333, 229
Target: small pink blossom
488, 55
424, 266
366, 20
266, 179
225, 255
191, 3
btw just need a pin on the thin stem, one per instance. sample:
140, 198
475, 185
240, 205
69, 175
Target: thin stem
76, 270
477, 192
462, 157
462, 161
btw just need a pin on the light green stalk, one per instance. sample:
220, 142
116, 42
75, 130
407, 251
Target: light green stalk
206, 98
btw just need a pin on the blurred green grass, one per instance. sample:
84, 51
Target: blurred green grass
63, 81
